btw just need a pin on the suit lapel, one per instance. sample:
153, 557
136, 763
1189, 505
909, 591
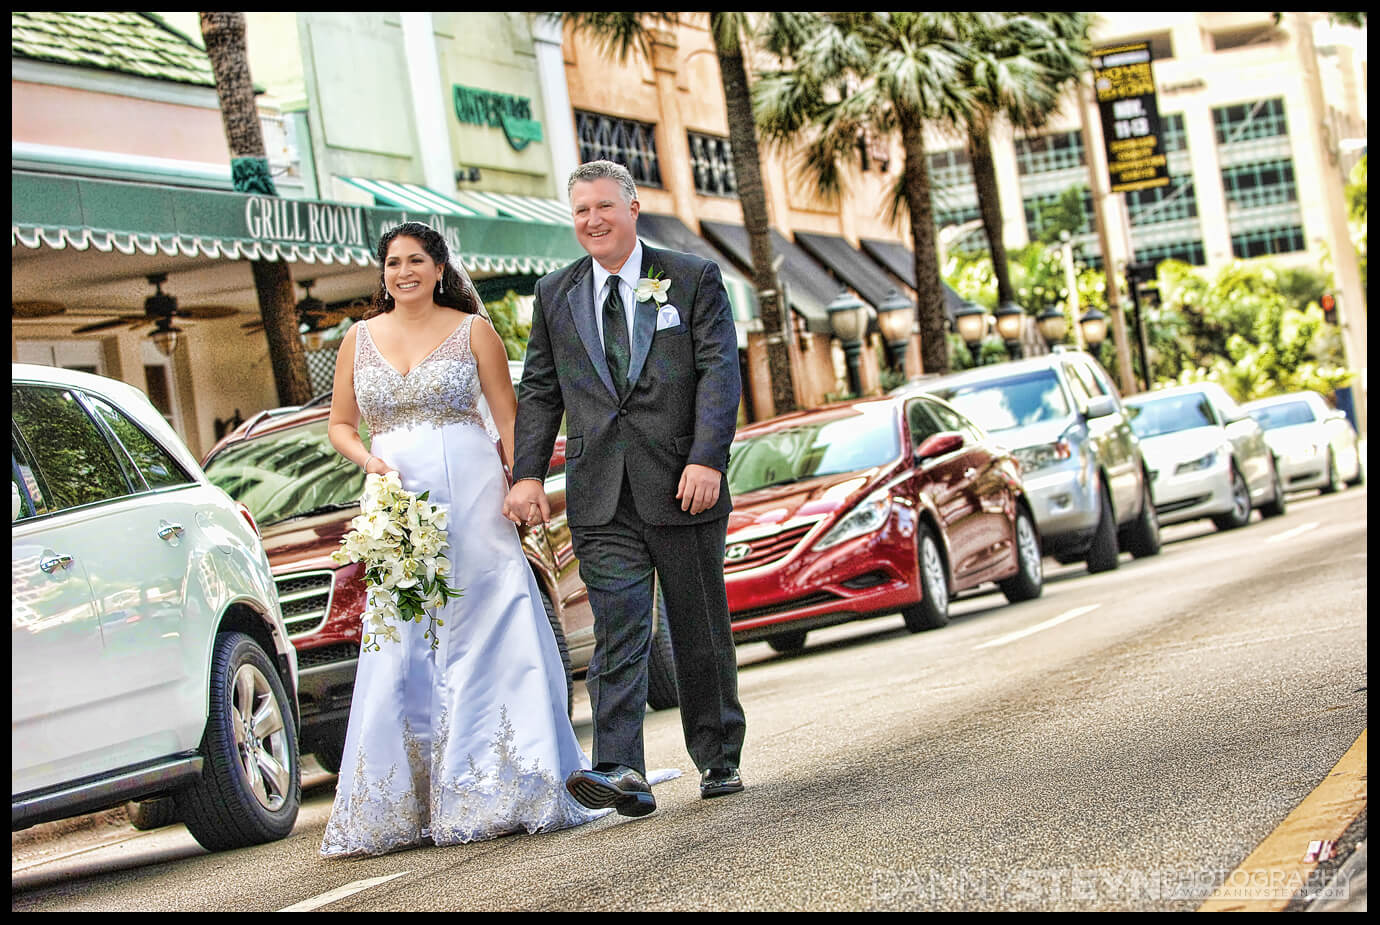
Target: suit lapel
644, 320
580, 295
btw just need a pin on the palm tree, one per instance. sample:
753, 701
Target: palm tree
1018, 67
224, 35
846, 73
623, 33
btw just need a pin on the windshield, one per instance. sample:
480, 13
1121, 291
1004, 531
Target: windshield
1170, 415
865, 438
1006, 404
287, 474
1288, 414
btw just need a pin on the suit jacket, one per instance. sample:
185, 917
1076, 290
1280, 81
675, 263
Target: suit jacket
682, 406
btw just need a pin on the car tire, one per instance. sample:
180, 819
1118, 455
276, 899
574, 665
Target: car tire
1277, 504
1360, 474
786, 643
328, 745
1104, 555
662, 693
559, 632
225, 808
151, 814
1029, 580
932, 610
1240, 512
1143, 539
1334, 483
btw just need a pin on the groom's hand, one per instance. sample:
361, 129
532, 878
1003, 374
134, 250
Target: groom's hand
526, 503
699, 488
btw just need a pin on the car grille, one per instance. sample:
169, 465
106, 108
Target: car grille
763, 549
810, 600
1186, 503
327, 655
305, 598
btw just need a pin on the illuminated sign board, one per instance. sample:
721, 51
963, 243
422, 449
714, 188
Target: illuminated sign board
1125, 86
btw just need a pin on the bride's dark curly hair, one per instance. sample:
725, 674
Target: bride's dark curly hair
451, 292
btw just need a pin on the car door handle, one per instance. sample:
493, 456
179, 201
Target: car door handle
56, 562
168, 531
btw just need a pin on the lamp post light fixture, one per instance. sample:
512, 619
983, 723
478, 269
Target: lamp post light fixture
971, 323
1052, 325
896, 318
1010, 319
848, 319
1094, 327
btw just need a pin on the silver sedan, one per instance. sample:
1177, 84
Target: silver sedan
1314, 443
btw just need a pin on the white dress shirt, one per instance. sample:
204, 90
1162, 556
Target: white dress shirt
627, 278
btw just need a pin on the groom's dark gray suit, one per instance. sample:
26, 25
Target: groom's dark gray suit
624, 460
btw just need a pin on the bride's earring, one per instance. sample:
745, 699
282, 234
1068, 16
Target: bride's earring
441, 286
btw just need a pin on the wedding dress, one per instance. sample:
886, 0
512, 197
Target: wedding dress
469, 740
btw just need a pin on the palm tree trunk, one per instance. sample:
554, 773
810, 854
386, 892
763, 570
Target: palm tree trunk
929, 308
224, 34
989, 203
752, 195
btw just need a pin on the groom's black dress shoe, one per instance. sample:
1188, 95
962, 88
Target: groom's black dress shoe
622, 788
716, 782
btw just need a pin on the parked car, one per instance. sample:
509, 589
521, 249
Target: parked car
303, 495
1314, 444
149, 656
1080, 461
1208, 457
869, 508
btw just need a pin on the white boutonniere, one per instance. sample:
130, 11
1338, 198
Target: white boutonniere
652, 286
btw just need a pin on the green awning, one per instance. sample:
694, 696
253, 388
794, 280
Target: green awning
105, 215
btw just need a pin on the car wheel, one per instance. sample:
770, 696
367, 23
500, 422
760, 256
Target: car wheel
1360, 475
1240, 511
1334, 484
662, 693
1277, 504
251, 783
151, 814
1029, 579
1104, 554
1143, 539
328, 745
787, 642
559, 632
932, 611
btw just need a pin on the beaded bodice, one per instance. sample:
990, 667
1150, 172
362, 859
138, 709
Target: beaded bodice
442, 389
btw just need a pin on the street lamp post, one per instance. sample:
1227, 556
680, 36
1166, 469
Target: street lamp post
1010, 319
1094, 327
1053, 326
848, 319
895, 316
971, 322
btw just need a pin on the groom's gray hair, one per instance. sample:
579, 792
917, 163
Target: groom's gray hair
604, 170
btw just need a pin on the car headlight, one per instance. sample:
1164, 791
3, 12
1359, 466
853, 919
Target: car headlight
870, 514
1036, 457
1197, 465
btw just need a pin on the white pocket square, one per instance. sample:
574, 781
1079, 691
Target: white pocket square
667, 317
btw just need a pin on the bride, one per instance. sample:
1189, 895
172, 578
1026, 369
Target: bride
469, 740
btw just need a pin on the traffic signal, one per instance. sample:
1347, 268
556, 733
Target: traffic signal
1329, 307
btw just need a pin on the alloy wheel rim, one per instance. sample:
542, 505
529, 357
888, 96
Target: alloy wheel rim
1030, 548
261, 738
1241, 498
934, 571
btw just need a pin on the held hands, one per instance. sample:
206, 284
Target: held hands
699, 488
526, 503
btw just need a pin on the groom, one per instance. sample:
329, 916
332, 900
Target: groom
647, 374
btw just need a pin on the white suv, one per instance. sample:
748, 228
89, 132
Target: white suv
149, 654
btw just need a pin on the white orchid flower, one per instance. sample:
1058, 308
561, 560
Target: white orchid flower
655, 289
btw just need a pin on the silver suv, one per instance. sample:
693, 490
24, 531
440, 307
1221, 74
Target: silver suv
1081, 464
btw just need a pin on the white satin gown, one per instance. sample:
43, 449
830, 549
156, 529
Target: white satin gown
470, 740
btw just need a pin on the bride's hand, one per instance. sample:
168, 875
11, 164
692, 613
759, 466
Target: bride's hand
375, 466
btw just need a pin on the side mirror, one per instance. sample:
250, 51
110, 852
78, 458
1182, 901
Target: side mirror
1335, 415
938, 445
1100, 406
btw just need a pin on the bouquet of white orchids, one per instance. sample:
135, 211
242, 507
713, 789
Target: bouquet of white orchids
399, 537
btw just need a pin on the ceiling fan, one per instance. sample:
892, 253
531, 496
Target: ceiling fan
160, 308
313, 315
36, 309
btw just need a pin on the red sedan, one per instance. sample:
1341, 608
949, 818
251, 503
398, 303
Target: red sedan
869, 508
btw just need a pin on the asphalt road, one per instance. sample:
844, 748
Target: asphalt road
1124, 742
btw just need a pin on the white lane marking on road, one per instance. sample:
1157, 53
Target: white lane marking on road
1038, 627
349, 889
1290, 534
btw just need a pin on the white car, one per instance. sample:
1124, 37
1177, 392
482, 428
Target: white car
1314, 443
1207, 457
149, 654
